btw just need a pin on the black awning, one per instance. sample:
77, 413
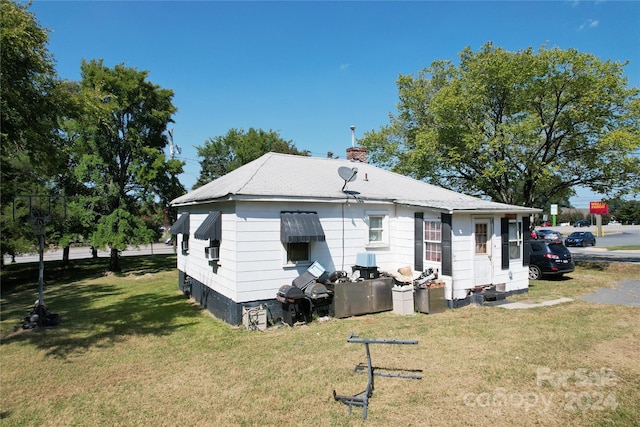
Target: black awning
300, 227
211, 227
181, 226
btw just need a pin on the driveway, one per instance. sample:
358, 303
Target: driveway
626, 292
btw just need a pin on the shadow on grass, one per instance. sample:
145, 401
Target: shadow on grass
93, 315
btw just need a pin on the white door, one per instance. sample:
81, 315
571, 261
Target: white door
482, 252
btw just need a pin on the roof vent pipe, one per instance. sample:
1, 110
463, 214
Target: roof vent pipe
354, 153
353, 136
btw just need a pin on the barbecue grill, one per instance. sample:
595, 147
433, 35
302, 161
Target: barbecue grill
305, 295
295, 306
289, 294
316, 291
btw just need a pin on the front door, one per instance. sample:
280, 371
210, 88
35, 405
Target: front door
482, 252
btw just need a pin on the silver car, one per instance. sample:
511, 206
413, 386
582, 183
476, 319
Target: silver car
549, 235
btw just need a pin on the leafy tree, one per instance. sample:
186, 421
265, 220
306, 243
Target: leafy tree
519, 127
625, 211
222, 154
119, 153
31, 100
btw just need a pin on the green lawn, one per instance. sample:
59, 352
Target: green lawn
130, 350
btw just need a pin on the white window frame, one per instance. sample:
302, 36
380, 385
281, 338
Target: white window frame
384, 229
515, 239
433, 242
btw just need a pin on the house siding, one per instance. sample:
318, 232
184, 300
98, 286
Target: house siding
252, 265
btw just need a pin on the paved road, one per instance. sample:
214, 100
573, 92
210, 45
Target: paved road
85, 252
614, 235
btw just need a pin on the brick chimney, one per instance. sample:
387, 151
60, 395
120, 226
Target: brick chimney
357, 153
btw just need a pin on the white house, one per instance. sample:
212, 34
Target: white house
244, 235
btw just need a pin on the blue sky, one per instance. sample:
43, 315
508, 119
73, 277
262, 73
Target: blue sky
310, 70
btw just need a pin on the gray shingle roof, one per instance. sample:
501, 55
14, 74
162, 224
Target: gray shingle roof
284, 176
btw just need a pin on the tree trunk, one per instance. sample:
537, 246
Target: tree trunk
114, 264
94, 252
65, 255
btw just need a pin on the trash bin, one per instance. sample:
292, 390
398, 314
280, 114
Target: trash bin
402, 299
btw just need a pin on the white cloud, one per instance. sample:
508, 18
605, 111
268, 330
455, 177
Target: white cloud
344, 67
589, 23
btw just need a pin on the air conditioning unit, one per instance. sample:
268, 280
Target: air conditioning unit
213, 253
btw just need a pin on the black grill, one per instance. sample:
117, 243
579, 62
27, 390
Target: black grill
304, 296
289, 294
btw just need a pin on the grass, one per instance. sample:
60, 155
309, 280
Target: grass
130, 350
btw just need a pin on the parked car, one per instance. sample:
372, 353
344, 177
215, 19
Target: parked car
548, 234
546, 224
582, 223
580, 238
547, 258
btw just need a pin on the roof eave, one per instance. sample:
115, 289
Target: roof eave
483, 211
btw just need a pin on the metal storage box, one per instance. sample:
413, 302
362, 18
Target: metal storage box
437, 301
362, 297
430, 300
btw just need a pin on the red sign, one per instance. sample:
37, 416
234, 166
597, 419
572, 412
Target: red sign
598, 208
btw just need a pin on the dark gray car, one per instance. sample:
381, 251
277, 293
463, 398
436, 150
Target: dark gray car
549, 258
580, 238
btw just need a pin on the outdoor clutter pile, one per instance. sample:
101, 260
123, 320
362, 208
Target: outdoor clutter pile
314, 291
428, 279
40, 316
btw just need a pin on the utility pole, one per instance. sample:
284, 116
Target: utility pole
173, 149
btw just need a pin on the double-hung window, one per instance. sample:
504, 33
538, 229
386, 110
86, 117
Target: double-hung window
378, 229
515, 239
432, 241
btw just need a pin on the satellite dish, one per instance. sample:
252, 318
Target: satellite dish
348, 174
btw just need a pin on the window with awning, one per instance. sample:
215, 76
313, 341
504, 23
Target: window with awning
300, 227
211, 227
181, 226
